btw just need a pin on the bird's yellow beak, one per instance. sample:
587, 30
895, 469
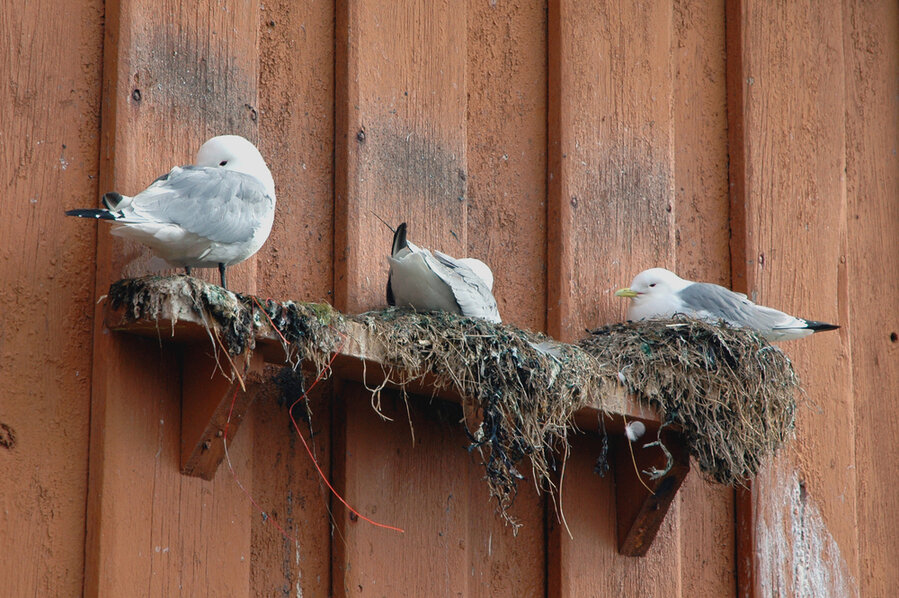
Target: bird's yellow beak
626, 292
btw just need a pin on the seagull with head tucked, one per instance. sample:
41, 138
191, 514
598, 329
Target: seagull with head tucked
660, 293
434, 281
215, 213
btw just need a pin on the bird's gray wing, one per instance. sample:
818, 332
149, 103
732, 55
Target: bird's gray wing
221, 205
715, 302
471, 292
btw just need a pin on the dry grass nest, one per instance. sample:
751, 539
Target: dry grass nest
523, 386
730, 393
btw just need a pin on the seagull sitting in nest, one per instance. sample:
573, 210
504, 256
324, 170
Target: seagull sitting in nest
427, 281
660, 293
217, 212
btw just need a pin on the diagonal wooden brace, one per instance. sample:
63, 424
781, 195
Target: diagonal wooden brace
207, 398
641, 512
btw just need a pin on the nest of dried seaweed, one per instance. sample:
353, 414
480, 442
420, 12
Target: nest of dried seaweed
730, 393
524, 386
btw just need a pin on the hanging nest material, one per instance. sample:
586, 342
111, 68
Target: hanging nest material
524, 386
730, 393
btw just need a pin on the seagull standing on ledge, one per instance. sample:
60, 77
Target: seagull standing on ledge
217, 212
427, 281
659, 293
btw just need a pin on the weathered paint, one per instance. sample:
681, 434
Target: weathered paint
795, 554
871, 46
195, 69
788, 107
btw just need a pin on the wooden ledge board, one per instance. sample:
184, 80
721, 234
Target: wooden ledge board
208, 396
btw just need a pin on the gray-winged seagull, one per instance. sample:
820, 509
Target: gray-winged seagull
660, 293
428, 281
217, 212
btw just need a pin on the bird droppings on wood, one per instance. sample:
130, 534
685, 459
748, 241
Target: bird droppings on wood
730, 393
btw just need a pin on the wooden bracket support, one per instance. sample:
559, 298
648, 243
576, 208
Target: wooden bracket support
642, 510
208, 397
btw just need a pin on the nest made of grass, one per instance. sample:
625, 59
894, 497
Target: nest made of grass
729, 392
525, 386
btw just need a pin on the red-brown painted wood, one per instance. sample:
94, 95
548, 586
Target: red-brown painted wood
506, 148
702, 230
871, 46
215, 400
610, 184
51, 63
150, 529
296, 130
789, 160
641, 502
400, 138
402, 146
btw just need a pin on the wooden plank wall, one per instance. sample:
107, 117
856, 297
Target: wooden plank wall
570, 145
51, 65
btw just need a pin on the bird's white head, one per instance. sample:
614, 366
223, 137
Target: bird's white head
655, 282
481, 269
233, 152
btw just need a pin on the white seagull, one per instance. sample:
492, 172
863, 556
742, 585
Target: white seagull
660, 293
428, 281
217, 212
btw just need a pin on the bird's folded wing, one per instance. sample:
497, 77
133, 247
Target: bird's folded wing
471, 292
221, 205
716, 302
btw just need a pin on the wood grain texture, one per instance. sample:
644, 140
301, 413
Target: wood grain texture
51, 60
296, 132
150, 529
611, 195
702, 229
506, 149
589, 564
611, 165
871, 45
791, 160
506, 130
403, 121
421, 486
400, 138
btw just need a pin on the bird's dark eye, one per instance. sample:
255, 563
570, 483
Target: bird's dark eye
652, 285
223, 162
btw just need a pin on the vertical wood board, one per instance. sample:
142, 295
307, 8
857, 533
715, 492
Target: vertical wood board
296, 129
51, 60
791, 203
175, 74
871, 45
702, 229
610, 193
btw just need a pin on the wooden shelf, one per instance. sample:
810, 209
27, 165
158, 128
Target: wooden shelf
208, 396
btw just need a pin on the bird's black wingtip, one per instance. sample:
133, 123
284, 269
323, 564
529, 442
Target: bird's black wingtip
98, 214
399, 239
820, 326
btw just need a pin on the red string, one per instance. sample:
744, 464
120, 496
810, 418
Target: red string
302, 439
